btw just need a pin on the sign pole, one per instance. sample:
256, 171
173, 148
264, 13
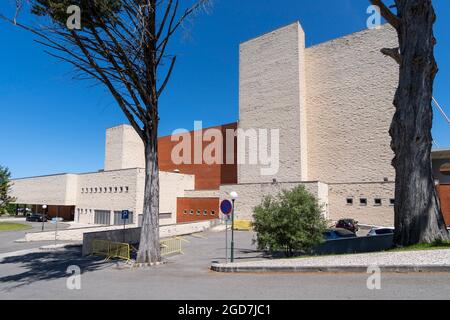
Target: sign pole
124, 231
226, 238
56, 228
232, 233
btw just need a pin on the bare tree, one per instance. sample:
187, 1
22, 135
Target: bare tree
122, 44
418, 217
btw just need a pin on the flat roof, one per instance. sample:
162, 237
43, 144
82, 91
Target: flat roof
440, 153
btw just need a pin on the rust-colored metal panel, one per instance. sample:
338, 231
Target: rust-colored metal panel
197, 209
444, 196
65, 212
207, 176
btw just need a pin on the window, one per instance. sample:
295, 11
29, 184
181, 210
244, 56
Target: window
205, 212
92, 190
378, 202
350, 201
106, 190
363, 201
82, 190
191, 212
100, 190
213, 213
121, 189
126, 189
392, 202
185, 212
199, 212
110, 189
115, 189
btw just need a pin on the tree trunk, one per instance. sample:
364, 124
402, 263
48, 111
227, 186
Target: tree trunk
418, 216
149, 246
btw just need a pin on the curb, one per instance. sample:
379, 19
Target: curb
328, 269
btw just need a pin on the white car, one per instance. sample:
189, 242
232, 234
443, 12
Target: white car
380, 231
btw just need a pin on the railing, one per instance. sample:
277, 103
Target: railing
110, 249
171, 246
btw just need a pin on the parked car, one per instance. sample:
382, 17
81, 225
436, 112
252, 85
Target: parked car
349, 224
36, 217
338, 233
380, 231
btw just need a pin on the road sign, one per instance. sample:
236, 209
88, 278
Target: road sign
226, 207
125, 215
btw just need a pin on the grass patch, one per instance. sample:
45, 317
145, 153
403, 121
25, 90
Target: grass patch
437, 245
11, 226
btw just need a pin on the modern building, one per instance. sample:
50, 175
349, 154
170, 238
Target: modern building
327, 110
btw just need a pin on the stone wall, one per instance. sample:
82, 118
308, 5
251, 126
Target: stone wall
371, 213
350, 89
271, 78
251, 195
50, 190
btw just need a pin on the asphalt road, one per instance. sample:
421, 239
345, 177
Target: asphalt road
8, 238
42, 275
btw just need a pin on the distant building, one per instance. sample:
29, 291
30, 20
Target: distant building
332, 106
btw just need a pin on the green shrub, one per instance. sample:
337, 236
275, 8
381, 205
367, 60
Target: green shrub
291, 221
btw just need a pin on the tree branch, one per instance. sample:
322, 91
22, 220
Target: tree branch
394, 53
390, 17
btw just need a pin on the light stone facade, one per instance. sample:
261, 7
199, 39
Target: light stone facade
332, 105
251, 194
55, 189
119, 187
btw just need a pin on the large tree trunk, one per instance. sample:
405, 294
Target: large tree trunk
418, 217
149, 246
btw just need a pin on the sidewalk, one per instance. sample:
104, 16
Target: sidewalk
411, 261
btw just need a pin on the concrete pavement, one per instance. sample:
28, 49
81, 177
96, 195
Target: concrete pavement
43, 275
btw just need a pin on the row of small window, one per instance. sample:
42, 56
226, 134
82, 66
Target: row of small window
199, 212
105, 190
377, 202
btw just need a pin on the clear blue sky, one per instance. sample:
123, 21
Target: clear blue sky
52, 124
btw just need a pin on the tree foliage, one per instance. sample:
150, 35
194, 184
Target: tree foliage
5, 189
124, 46
91, 10
291, 221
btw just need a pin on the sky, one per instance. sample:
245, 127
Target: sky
51, 123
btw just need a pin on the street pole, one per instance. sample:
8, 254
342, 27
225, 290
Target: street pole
226, 238
44, 207
56, 228
232, 232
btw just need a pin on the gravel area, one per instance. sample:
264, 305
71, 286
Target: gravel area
381, 259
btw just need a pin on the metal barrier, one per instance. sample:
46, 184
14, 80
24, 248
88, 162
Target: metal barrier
110, 249
242, 225
100, 248
171, 246
119, 250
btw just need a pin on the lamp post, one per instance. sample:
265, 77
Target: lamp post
233, 196
44, 207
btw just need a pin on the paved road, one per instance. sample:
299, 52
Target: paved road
8, 238
43, 275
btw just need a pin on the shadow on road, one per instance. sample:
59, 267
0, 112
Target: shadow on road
49, 265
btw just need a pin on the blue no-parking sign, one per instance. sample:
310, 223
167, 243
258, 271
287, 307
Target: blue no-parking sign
226, 207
